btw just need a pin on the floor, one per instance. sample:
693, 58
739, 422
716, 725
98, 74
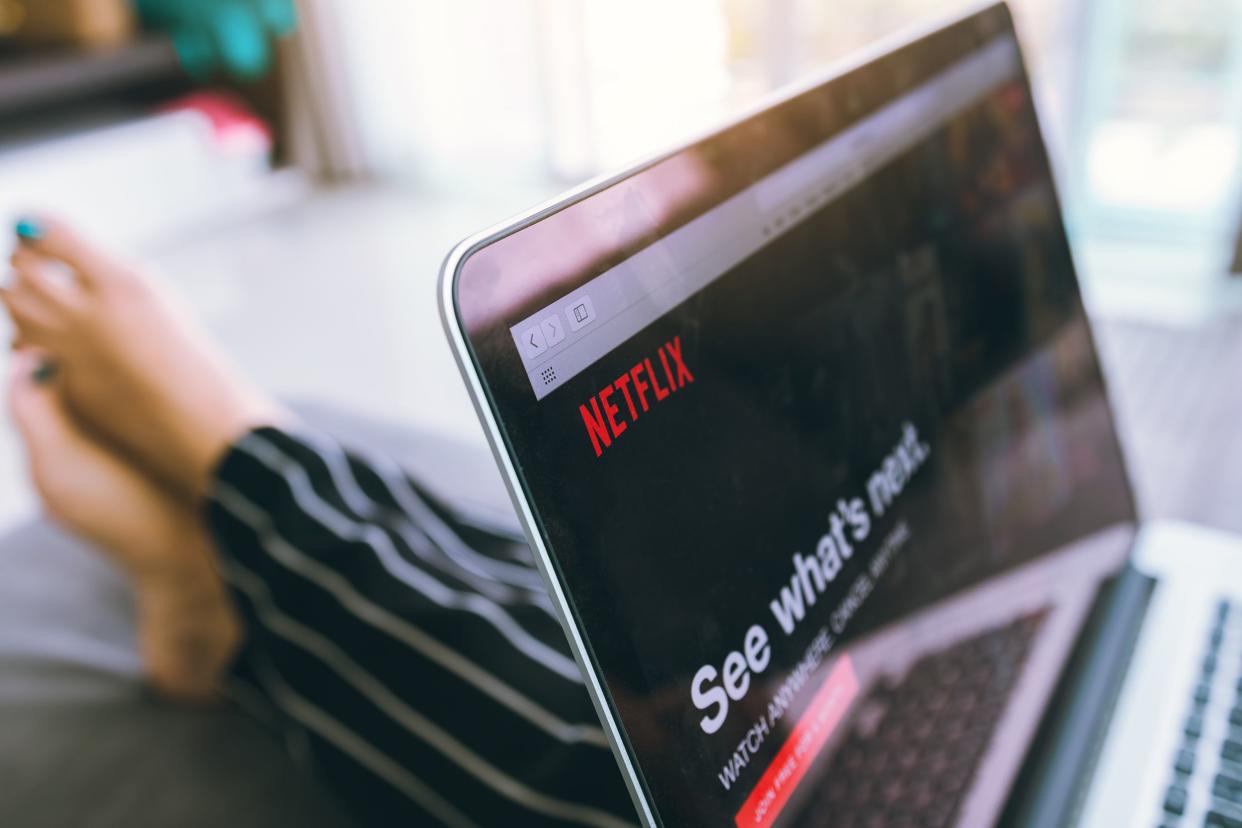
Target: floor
334, 301
1178, 398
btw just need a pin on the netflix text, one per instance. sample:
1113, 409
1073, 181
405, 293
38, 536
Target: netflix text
632, 395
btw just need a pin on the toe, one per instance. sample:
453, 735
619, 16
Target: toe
55, 239
54, 444
35, 406
35, 322
44, 278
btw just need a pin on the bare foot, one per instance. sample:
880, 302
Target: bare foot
134, 367
188, 630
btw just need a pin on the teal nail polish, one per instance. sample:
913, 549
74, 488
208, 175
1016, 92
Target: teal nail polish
45, 373
29, 229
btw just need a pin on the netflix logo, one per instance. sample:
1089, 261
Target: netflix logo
630, 396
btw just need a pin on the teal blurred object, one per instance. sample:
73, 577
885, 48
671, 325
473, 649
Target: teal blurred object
235, 35
29, 229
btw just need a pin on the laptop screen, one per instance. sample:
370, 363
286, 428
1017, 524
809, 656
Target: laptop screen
811, 423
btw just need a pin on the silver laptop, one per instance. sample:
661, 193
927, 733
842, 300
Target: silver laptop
808, 432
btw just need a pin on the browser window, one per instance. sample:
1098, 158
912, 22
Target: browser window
826, 465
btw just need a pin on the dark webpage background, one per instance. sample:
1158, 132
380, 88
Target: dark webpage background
906, 300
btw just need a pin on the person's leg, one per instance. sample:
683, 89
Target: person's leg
459, 668
423, 671
188, 629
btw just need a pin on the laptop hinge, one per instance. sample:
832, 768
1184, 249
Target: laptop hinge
1054, 779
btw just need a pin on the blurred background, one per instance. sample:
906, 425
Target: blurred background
299, 172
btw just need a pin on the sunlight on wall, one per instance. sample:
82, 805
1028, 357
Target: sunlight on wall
629, 78
477, 93
445, 88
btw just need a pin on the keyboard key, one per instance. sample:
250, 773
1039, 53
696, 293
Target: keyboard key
1231, 751
1203, 692
1185, 762
1218, 819
1175, 800
1227, 788
1194, 726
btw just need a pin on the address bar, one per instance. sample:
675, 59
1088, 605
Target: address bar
569, 335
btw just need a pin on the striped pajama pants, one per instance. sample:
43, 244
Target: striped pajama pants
416, 659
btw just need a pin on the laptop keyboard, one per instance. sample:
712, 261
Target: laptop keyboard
1205, 784
915, 742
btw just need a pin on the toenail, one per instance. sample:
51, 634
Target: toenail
29, 229
45, 373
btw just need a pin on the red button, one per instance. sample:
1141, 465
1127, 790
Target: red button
799, 751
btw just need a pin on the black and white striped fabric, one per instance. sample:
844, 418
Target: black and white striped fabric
417, 658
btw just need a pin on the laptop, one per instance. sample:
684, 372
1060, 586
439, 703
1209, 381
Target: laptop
808, 432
